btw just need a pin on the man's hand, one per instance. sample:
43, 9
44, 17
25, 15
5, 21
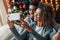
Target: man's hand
56, 36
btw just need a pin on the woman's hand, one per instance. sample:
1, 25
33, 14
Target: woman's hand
24, 25
10, 23
56, 36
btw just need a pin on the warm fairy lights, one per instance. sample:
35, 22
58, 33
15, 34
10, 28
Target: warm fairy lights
54, 5
57, 5
46, 1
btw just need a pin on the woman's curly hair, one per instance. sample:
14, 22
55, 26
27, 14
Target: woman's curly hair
46, 14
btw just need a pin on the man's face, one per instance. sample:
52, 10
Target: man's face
32, 9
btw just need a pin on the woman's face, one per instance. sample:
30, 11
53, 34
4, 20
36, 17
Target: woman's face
32, 10
37, 15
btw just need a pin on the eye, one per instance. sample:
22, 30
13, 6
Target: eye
29, 9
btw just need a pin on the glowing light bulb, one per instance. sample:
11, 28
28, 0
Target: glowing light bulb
52, 5
50, 0
56, 0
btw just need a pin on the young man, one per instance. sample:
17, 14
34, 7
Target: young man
32, 9
29, 20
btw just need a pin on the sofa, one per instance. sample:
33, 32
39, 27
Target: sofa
5, 33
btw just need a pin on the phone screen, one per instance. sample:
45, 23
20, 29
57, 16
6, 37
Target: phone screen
14, 16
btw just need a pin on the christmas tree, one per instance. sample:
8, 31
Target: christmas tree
18, 6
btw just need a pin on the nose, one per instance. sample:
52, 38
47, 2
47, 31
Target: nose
38, 16
32, 11
35, 17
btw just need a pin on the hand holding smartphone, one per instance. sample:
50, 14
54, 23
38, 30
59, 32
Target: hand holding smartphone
14, 16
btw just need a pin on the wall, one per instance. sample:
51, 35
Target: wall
3, 13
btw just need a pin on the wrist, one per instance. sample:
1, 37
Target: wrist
29, 29
12, 27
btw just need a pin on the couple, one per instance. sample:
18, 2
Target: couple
42, 28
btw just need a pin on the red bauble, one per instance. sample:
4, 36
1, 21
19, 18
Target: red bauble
43, 1
20, 2
7, 1
33, 0
10, 3
20, 12
10, 6
20, 6
13, 1
24, 6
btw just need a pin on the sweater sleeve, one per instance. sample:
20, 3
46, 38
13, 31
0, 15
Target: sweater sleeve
37, 36
17, 35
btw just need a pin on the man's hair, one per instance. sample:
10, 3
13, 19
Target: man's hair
34, 3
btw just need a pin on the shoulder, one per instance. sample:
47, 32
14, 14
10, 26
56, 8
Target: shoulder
49, 30
27, 18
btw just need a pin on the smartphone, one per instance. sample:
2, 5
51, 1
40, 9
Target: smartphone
14, 16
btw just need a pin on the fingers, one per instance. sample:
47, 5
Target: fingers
8, 21
23, 25
17, 23
21, 20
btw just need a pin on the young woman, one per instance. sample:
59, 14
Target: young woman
42, 30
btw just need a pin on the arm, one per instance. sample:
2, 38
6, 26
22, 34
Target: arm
14, 31
17, 35
45, 35
29, 29
37, 36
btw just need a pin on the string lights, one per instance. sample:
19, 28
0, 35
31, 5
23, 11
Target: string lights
53, 3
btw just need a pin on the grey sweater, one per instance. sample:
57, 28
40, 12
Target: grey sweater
47, 32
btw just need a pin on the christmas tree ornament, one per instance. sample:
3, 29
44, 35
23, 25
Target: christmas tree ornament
20, 2
13, 1
15, 9
8, 1
21, 6
33, 0
10, 6
18, 6
24, 6
20, 12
